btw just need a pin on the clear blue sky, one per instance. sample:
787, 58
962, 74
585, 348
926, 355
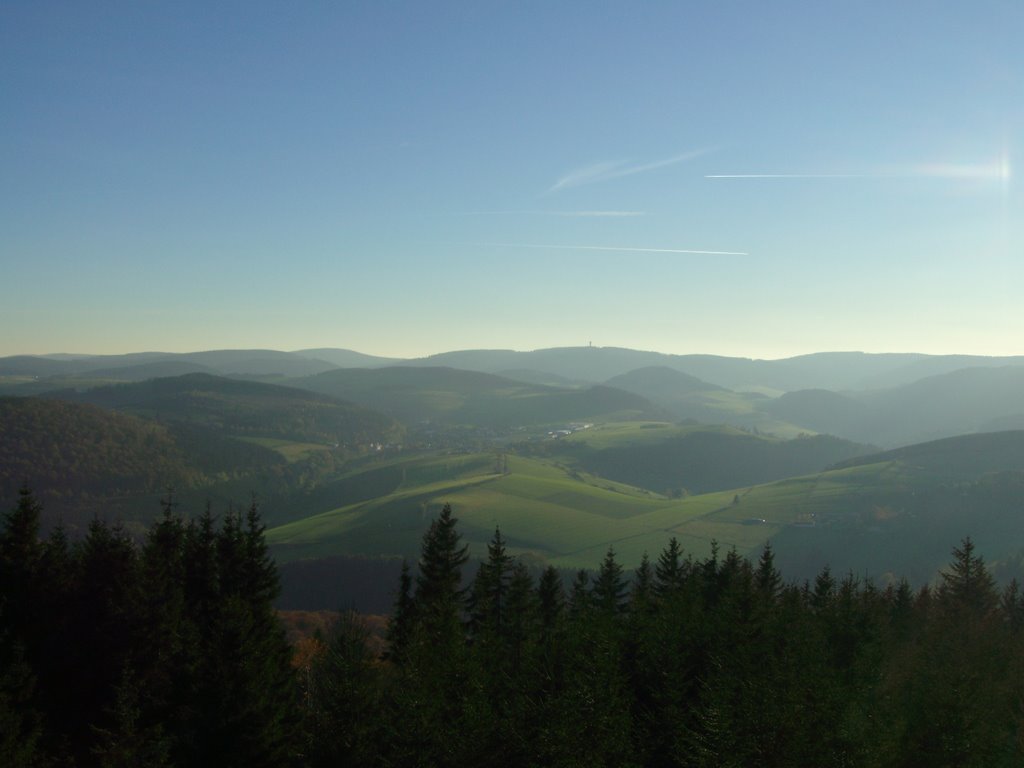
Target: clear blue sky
406, 178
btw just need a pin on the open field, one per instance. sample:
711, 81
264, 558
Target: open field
553, 513
290, 450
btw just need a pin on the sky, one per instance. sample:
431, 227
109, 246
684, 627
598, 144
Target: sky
405, 178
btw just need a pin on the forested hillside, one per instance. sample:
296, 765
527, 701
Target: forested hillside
453, 396
74, 448
683, 459
204, 436
168, 654
242, 409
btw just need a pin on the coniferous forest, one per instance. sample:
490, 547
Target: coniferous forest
168, 652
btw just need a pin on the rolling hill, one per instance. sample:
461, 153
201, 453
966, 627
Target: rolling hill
84, 461
243, 409
453, 396
141, 365
889, 513
954, 403
210, 438
693, 459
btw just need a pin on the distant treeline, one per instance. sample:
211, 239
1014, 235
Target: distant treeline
170, 654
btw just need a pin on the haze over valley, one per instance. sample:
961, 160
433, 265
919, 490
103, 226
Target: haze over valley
474, 384
868, 463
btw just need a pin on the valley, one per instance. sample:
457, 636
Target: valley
563, 450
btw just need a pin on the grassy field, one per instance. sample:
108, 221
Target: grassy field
547, 511
897, 514
554, 514
631, 433
291, 450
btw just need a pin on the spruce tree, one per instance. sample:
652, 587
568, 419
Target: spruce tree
105, 628
967, 587
244, 708
521, 616
400, 624
610, 587
435, 676
20, 720
489, 595
579, 595
767, 578
550, 599
668, 572
439, 596
643, 588
343, 700
20, 556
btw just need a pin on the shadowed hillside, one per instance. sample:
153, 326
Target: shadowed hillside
456, 396
243, 408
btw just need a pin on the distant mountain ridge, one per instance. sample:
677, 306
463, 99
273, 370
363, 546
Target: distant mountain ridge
263, 362
837, 371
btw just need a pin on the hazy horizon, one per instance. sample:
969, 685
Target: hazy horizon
375, 353
734, 179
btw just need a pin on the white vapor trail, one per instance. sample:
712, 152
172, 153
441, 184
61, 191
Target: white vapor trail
790, 176
565, 214
954, 171
592, 174
621, 249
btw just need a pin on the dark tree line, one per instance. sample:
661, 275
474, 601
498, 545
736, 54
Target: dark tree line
712, 662
168, 653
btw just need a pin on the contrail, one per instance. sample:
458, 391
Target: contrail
627, 249
952, 171
791, 175
592, 174
564, 214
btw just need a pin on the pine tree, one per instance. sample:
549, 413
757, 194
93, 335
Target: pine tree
521, 616
244, 705
434, 678
343, 699
439, 597
1011, 604
105, 628
23, 631
643, 586
168, 654
579, 594
489, 595
668, 572
20, 556
767, 578
610, 587
550, 599
956, 698
967, 587
20, 721
400, 624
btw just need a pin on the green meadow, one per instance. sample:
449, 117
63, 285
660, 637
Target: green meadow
290, 450
552, 513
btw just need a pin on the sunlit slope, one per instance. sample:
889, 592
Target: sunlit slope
895, 513
693, 458
545, 510
550, 513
